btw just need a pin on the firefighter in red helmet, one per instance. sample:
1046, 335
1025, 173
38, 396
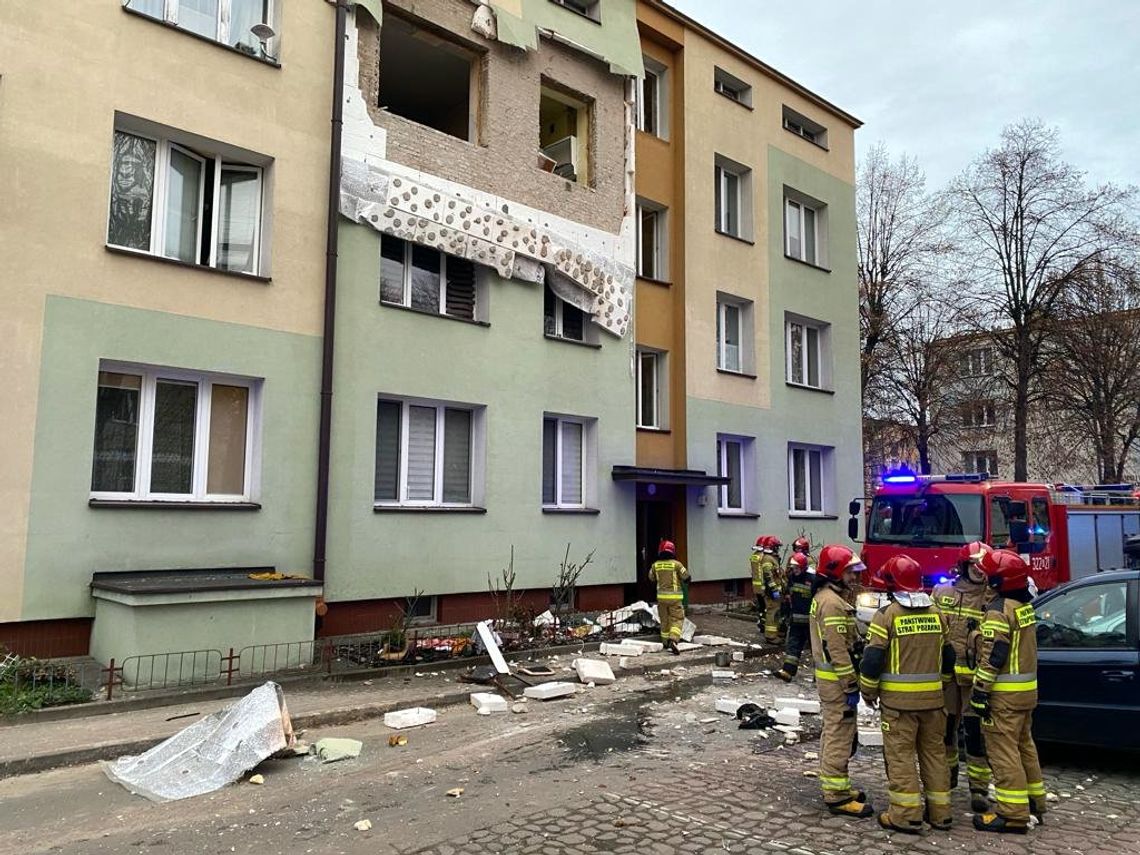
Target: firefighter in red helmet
1005, 695
964, 601
833, 640
670, 576
801, 588
768, 584
907, 684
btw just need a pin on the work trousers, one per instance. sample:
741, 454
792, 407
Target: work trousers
672, 616
1013, 758
794, 645
960, 715
917, 775
837, 744
772, 612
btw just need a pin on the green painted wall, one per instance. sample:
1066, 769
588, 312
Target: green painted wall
719, 546
68, 541
615, 37
517, 374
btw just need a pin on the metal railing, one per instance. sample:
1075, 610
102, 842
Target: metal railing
171, 670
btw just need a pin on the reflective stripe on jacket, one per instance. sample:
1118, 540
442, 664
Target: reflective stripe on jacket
964, 604
904, 660
833, 636
1007, 663
669, 573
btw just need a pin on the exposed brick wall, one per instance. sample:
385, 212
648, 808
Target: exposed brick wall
46, 639
504, 160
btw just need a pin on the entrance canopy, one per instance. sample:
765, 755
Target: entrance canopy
687, 477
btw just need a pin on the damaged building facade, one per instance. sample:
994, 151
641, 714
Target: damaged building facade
484, 307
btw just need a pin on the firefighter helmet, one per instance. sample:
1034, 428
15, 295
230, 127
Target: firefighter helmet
762, 541
666, 547
1005, 570
972, 552
835, 558
801, 544
799, 560
903, 574
774, 542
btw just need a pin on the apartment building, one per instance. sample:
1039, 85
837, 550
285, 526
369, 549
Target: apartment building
748, 409
165, 166
483, 380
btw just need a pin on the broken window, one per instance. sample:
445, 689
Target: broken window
561, 319
427, 78
564, 134
426, 279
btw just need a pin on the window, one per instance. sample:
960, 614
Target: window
442, 99
734, 461
425, 453
808, 479
564, 133
651, 383
978, 414
980, 461
230, 22
943, 519
733, 198
802, 231
807, 347
591, 9
652, 102
566, 462
802, 126
652, 241
733, 334
1089, 616
732, 87
186, 203
171, 435
977, 362
426, 279
419, 609
565, 320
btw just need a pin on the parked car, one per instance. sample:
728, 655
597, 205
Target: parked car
1088, 673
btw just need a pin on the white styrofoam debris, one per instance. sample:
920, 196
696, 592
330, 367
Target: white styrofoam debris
544, 619
621, 649
594, 671
549, 691
785, 716
488, 701
787, 728
491, 645
684, 646
870, 737
804, 705
733, 643
718, 674
413, 717
647, 646
729, 706
688, 630
710, 640
738, 656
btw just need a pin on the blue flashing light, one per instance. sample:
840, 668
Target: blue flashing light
943, 580
900, 476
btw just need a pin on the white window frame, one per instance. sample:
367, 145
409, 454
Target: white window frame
731, 87
589, 333
746, 466
659, 72
973, 458
441, 408
722, 173
802, 126
144, 439
794, 208
587, 457
222, 32
821, 351
590, 9
979, 362
825, 461
441, 304
656, 359
163, 146
980, 414
660, 237
723, 302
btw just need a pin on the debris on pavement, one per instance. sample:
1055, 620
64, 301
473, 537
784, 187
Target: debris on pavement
518, 707
688, 630
711, 640
362, 825
788, 716
212, 752
870, 738
594, 671
397, 740
455, 793
413, 717
486, 703
331, 749
718, 674
490, 643
620, 649
257, 779
804, 705
686, 646
534, 669
549, 691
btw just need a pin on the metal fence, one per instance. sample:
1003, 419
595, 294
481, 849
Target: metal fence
171, 670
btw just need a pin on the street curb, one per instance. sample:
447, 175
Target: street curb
327, 718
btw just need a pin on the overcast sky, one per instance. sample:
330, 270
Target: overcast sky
939, 81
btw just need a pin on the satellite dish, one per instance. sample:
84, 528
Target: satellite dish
263, 32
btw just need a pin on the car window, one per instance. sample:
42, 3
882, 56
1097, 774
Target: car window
1091, 616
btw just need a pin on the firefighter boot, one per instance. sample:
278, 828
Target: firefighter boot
998, 824
671, 646
941, 825
905, 827
1037, 808
853, 808
784, 675
979, 802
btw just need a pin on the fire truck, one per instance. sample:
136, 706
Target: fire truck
1063, 531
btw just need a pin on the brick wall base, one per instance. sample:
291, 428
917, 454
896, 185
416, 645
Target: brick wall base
47, 639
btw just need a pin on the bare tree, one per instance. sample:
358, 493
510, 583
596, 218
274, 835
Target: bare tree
1028, 227
1091, 382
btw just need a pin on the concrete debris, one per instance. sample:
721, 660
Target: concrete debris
802, 705
685, 646
738, 656
729, 706
688, 630
636, 615
870, 738
709, 720
811, 773
786, 716
212, 752
545, 619
257, 779
621, 649
488, 702
791, 739
413, 717
491, 644
331, 749
594, 671
718, 674
549, 691
519, 707
362, 825
710, 640
1050, 797
456, 792
647, 646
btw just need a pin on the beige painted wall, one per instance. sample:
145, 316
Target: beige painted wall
714, 262
60, 86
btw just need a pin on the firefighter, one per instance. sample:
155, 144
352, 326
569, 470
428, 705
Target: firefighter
833, 638
964, 602
908, 657
802, 546
670, 575
801, 587
768, 584
1005, 695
